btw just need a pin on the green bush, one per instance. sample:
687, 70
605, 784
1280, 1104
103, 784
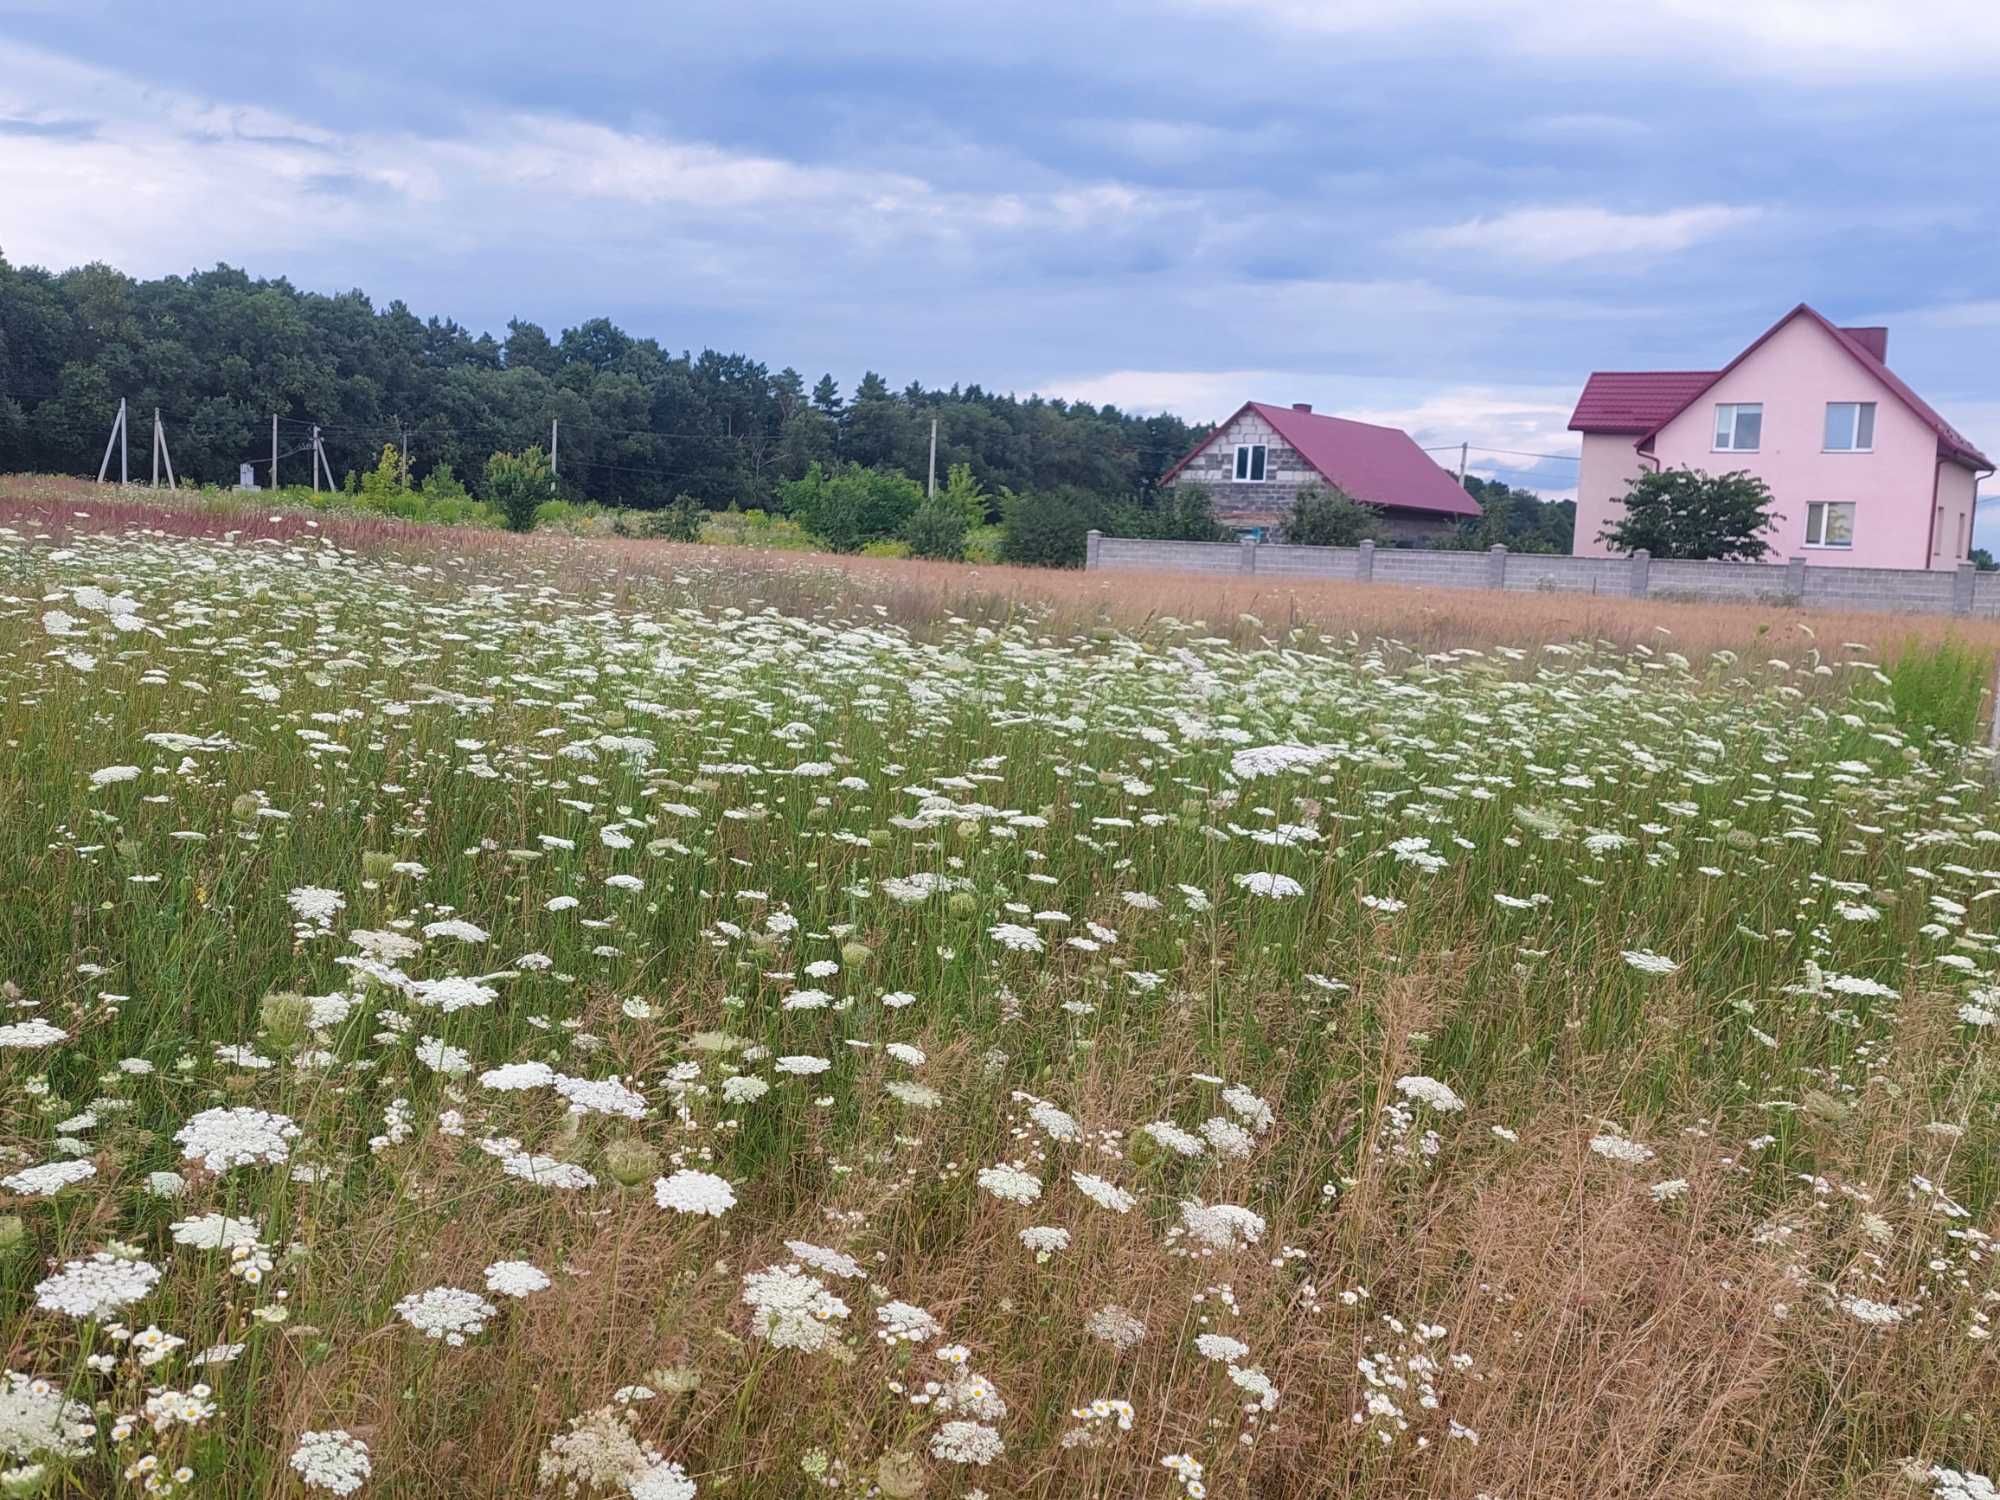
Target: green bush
937, 529
1184, 513
519, 484
849, 507
1046, 528
679, 522
982, 544
1327, 517
887, 547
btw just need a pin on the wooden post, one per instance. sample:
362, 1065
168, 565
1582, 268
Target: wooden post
111, 441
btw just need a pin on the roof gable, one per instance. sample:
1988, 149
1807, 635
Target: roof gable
1379, 465
1952, 444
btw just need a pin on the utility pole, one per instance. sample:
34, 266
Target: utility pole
1463, 449
117, 435
274, 451
932, 492
320, 462
315, 460
160, 452
555, 440
404, 453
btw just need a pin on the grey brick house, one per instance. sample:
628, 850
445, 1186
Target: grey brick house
1255, 464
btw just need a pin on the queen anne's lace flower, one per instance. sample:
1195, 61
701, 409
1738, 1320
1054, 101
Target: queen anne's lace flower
966, 1443
446, 1312
515, 1278
223, 1138
48, 1179
97, 1286
792, 1310
695, 1193
331, 1460
1426, 1090
38, 1421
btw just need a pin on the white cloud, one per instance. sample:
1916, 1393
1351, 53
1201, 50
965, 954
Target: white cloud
127, 185
1559, 235
1813, 40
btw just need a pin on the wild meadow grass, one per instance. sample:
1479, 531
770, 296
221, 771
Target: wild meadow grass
497, 1024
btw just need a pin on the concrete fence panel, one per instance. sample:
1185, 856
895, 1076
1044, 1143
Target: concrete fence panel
1961, 591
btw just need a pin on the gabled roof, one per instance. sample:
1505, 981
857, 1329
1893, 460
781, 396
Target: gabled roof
1381, 465
1614, 401
1635, 401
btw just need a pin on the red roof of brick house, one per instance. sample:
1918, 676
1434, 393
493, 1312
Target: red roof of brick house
1641, 402
1381, 465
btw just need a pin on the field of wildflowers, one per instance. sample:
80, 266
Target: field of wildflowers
499, 1023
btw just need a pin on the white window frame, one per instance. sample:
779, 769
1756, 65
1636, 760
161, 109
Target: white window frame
1823, 507
1735, 410
1252, 456
1853, 427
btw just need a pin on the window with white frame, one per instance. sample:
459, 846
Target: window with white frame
1738, 426
1250, 463
1850, 426
1830, 523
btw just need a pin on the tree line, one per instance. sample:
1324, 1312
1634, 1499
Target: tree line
218, 352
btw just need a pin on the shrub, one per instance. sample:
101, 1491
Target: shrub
937, 529
982, 544
679, 522
1327, 517
519, 484
1685, 513
887, 547
1184, 513
849, 507
1046, 528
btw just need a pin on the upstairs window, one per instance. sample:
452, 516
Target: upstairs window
1738, 427
1850, 426
1250, 463
1830, 523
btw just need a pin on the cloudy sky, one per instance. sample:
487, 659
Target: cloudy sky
1438, 213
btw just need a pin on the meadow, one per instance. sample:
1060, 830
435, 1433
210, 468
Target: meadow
505, 1017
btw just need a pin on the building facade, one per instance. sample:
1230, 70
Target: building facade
1862, 472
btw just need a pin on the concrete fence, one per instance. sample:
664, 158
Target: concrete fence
1962, 591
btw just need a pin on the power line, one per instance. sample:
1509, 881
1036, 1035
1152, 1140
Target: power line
1568, 458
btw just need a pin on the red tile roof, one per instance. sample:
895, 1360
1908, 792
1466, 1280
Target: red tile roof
1381, 465
1642, 402
1635, 401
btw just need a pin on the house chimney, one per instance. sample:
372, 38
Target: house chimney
1874, 340
1304, 406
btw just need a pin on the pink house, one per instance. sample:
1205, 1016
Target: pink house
1862, 472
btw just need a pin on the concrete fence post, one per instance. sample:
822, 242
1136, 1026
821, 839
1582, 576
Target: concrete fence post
1246, 555
1961, 588
1364, 561
1795, 577
1642, 574
1496, 567
1093, 549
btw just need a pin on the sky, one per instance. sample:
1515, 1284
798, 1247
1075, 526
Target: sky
1440, 214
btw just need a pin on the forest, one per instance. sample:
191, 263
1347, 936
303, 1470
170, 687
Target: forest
218, 352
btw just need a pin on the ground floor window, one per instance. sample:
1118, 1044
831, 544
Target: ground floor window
1830, 523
